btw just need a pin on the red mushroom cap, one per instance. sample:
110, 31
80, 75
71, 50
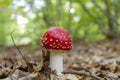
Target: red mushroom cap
57, 39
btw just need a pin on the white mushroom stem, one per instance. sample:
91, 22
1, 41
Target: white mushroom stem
56, 62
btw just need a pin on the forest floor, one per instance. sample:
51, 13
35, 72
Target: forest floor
87, 61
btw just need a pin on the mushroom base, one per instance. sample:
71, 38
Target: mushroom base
56, 62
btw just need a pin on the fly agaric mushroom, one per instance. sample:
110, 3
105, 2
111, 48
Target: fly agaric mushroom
57, 41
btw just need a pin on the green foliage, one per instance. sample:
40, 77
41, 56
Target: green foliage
84, 19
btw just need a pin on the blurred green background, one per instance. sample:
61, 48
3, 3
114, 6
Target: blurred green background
88, 20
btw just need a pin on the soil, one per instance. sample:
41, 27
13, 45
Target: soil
86, 61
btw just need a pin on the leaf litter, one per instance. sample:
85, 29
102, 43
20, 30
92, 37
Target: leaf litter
87, 61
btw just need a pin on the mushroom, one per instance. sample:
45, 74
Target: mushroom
57, 41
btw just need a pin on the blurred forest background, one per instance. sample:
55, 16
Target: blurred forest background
94, 26
87, 20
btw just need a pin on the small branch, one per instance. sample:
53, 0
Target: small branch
87, 70
83, 74
80, 68
17, 47
30, 67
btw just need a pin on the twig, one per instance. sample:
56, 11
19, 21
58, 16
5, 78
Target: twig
81, 68
30, 67
83, 74
86, 70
